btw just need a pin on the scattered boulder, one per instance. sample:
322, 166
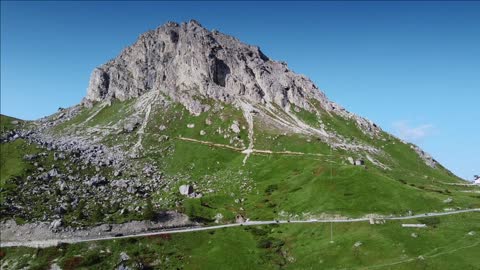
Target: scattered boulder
203, 133
60, 116
29, 157
359, 162
131, 190
414, 235
163, 138
96, 180
120, 183
58, 156
44, 176
208, 122
148, 170
62, 185
190, 125
357, 244
53, 173
105, 227
124, 256
55, 266
162, 127
57, 223
123, 267
131, 124
186, 190
448, 200
235, 127
218, 217
60, 210
351, 161
239, 219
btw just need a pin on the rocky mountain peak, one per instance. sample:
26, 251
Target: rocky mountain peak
188, 64
185, 60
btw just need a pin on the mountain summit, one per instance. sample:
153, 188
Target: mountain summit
185, 60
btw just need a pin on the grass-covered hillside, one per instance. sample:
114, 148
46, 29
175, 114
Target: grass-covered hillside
130, 161
287, 175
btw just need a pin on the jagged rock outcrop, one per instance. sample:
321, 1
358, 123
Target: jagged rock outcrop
187, 59
424, 156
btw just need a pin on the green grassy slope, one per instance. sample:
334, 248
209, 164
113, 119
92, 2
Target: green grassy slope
13, 168
268, 186
12, 162
272, 185
7, 123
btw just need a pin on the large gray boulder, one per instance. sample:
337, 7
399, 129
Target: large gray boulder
186, 190
235, 127
359, 162
57, 223
351, 161
131, 124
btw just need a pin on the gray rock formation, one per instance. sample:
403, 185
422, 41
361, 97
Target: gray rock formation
424, 156
186, 190
239, 219
186, 61
359, 162
56, 224
351, 161
234, 127
124, 257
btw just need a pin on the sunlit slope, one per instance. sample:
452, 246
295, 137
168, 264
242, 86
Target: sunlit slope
287, 175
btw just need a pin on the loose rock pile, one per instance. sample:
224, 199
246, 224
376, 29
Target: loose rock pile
72, 174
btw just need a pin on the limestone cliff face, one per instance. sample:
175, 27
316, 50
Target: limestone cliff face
187, 60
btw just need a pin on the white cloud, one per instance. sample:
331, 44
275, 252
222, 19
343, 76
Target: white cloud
412, 133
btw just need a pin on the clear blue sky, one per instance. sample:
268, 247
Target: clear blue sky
412, 67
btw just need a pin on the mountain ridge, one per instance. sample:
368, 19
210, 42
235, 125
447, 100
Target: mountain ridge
165, 116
